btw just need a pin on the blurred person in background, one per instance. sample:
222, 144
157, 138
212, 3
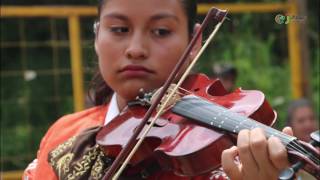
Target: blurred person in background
302, 118
227, 74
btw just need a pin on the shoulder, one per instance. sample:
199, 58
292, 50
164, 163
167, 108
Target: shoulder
63, 129
93, 115
72, 124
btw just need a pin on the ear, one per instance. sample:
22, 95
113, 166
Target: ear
96, 27
198, 44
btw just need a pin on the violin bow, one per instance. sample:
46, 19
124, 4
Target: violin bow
130, 148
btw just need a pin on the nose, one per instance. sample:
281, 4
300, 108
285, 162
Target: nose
137, 48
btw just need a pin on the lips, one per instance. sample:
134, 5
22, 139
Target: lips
135, 71
135, 68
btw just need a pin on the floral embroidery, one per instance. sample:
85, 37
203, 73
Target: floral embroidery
80, 158
98, 166
60, 149
63, 163
84, 165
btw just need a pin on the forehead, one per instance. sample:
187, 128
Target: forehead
143, 8
303, 111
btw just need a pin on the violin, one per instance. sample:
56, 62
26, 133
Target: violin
196, 117
198, 124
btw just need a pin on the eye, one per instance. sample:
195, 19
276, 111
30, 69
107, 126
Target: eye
119, 29
161, 32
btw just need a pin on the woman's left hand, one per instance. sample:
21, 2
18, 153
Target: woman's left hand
260, 158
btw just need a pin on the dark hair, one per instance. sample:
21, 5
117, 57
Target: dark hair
293, 106
100, 91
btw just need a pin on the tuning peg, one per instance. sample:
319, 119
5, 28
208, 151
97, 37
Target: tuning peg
315, 138
290, 173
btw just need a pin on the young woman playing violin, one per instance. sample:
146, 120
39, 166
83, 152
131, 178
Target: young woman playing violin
138, 42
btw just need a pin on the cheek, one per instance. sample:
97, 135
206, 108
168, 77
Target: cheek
108, 55
105, 48
170, 54
300, 126
167, 63
107, 45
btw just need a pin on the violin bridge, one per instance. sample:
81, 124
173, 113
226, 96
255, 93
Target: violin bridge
176, 97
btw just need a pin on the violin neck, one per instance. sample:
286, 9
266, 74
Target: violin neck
218, 117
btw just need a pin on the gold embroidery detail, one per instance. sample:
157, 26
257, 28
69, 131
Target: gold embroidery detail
97, 168
84, 165
91, 164
60, 149
63, 163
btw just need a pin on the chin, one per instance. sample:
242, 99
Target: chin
129, 94
130, 97
136, 87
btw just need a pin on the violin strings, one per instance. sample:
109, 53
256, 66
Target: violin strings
291, 144
295, 147
280, 134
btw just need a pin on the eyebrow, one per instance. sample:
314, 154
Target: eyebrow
153, 18
164, 16
116, 15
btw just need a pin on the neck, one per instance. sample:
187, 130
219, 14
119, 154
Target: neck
122, 103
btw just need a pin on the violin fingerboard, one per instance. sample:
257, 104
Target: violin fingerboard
216, 116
